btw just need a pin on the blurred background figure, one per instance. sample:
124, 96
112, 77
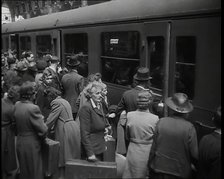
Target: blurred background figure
210, 151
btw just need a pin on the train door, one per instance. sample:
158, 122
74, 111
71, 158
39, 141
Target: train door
196, 66
157, 38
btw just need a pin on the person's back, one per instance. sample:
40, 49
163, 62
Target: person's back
175, 145
210, 152
175, 142
72, 83
128, 101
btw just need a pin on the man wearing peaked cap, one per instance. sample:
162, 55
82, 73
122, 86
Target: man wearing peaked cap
72, 82
175, 147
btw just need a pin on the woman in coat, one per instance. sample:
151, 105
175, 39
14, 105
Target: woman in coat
93, 123
67, 131
8, 152
30, 131
140, 129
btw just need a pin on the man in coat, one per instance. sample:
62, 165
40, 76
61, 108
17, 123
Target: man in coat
72, 83
175, 148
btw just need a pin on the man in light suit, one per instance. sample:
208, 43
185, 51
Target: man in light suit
72, 83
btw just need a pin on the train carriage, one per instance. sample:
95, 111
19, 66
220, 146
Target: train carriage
180, 42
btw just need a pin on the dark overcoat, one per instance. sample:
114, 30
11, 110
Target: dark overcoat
92, 126
72, 84
30, 127
8, 152
67, 131
128, 101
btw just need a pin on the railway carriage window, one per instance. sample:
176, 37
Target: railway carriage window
185, 65
120, 57
78, 44
43, 45
25, 43
156, 60
14, 41
6, 40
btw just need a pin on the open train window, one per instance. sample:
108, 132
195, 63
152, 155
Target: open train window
156, 61
25, 43
185, 65
120, 56
43, 45
78, 44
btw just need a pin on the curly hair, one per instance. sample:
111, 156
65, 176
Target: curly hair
144, 99
88, 89
52, 93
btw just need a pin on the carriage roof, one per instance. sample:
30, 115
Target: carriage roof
115, 11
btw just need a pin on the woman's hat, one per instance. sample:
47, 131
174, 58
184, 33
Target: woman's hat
179, 102
41, 65
73, 61
27, 89
142, 74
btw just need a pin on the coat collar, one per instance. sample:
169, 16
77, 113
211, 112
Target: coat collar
98, 111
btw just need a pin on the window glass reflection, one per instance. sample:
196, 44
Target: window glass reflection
120, 57
156, 60
185, 65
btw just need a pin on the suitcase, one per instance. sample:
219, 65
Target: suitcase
50, 157
82, 169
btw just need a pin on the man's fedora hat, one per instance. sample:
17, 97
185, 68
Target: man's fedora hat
179, 102
41, 65
73, 61
142, 74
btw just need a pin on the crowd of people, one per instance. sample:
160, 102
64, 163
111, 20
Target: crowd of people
40, 100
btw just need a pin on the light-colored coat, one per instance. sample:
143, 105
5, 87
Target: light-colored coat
67, 130
140, 129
